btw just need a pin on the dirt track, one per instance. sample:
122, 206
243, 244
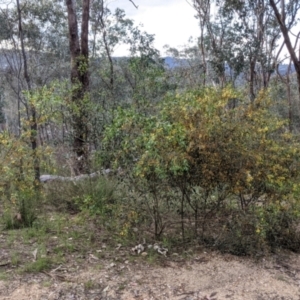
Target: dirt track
205, 276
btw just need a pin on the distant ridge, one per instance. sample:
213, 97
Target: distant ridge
172, 62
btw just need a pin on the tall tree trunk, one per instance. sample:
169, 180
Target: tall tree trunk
203, 10
259, 38
32, 109
285, 32
80, 82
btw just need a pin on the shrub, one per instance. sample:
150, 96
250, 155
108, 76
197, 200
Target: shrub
214, 156
97, 196
18, 190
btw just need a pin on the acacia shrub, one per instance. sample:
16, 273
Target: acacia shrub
214, 155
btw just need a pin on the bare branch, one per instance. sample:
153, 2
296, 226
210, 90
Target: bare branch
134, 4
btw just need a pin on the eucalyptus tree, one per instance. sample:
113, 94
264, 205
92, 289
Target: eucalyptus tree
110, 30
240, 35
26, 57
211, 39
40, 27
79, 50
261, 37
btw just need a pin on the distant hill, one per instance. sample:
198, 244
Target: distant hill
171, 62
283, 69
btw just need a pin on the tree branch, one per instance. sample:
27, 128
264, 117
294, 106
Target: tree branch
134, 4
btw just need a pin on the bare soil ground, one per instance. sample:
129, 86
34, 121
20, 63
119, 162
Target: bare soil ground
203, 276
68, 257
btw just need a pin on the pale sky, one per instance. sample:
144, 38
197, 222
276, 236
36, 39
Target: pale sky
172, 21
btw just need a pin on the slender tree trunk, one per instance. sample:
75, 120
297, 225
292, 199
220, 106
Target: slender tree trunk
252, 78
108, 53
203, 10
259, 37
85, 45
284, 29
288, 91
32, 117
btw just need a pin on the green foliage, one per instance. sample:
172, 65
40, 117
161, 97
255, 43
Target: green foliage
24, 217
148, 81
257, 231
4, 276
198, 135
97, 197
41, 264
201, 163
18, 190
215, 156
15, 259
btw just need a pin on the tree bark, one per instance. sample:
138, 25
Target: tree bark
285, 32
202, 9
80, 82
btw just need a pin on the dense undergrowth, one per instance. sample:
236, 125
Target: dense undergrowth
203, 166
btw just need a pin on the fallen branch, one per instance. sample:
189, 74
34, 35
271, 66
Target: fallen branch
46, 178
